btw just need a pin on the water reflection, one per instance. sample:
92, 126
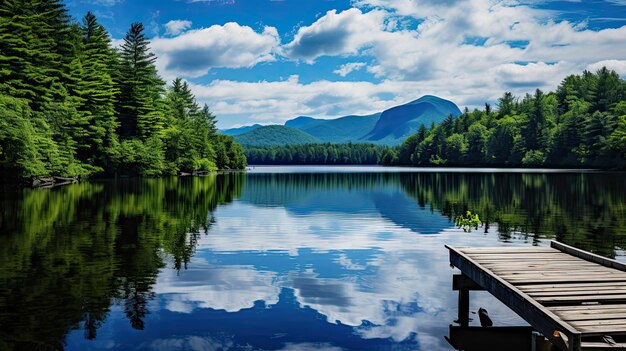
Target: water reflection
272, 261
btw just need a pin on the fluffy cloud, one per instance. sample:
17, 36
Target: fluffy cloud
468, 51
335, 34
195, 52
277, 101
203, 286
618, 66
175, 27
349, 67
442, 44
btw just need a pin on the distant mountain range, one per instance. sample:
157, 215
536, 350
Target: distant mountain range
275, 135
390, 127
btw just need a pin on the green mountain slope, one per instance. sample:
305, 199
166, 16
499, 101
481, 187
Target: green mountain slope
342, 130
275, 135
398, 123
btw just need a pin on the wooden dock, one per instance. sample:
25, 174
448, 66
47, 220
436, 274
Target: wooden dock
574, 298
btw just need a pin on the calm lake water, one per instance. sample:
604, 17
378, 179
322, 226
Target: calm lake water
345, 258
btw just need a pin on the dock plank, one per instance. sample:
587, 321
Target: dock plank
564, 286
578, 299
578, 293
589, 307
592, 315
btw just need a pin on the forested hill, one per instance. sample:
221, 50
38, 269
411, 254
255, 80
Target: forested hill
72, 105
274, 135
581, 124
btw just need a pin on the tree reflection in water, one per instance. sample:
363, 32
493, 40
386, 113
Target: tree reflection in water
68, 255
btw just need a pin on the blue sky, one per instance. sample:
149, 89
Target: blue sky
266, 61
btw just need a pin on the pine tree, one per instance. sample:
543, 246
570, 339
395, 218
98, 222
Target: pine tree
140, 87
34, 37
609, 91
101, 145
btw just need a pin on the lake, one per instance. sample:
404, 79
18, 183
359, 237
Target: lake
279, 258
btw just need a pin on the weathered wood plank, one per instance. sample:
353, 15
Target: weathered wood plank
603, 322
534, 264
580, 299
505, 250
577, 293
573, 275
589, 307
570, 250
547, 263
603, 330
592, 315
553, 270
527, 260
527, 255
546, 276
534, 313
602, 346
570, 285
575, 289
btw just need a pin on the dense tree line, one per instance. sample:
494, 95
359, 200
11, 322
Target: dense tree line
73, 105
581, 124
316, 154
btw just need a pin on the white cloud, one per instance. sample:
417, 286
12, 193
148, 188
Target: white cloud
229, 288
348, 68
468, 51
195, 52
618, 66
335, 34
175, 27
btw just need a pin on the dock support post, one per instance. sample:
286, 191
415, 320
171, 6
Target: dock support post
463, 308
463, 284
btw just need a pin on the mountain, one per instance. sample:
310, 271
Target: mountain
301, 121
240, 130
398, 123
390, 127
275, 135
341, 130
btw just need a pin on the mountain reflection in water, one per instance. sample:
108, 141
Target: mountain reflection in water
274, 261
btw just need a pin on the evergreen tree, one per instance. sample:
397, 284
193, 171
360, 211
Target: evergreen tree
140, 87
99, 61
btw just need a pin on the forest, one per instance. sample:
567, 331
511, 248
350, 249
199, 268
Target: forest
316, 154
71, 104
582, 124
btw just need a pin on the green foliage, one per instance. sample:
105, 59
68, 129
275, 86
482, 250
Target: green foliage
468, 221
229, 154
71, 105
21, 140
533, 158
579, 125
317, 154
